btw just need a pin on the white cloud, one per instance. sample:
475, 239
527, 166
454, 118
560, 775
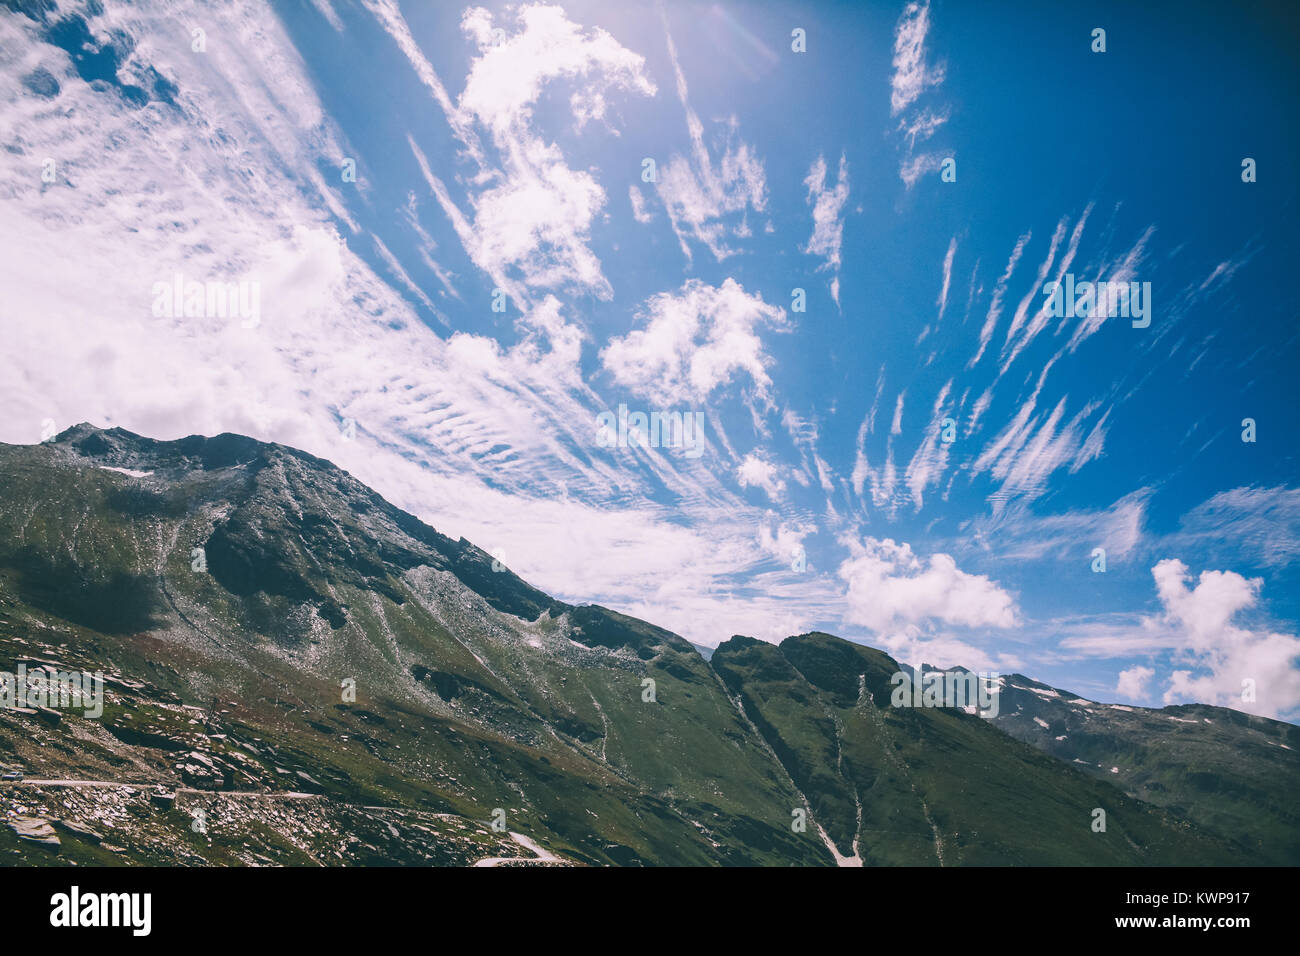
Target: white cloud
995, 306
639, 211
911, 74
922, 125
1262, 524
694, 341
947, 276
531, 213
1017, 534
828, 223
889, 587
1132, 683
1030, 448
1219, 654
758, 471
783, 539
705, 202
931, 458
1120, 272
327, 11
914, 167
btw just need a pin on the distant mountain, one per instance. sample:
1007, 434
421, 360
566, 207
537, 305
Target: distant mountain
931, 786
1233, 773
299, 672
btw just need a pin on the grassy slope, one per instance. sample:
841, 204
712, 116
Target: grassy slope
1232, 773
461, 706
934, 783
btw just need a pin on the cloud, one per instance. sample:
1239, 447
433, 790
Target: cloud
828, 223
995, 306
1132, 683
1032, 447
705, 202
1119, 272
931, 458
783, 539
912, 76
914, 167
1017, 534
639, 211
758, 471
1032, 327
889, 587
508, 77
530, 213
942, 301
693, 341
1258, 524
1222, 656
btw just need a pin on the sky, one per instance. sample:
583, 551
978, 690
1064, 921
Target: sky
825, 234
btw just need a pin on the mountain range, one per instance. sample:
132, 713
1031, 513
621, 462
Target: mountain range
297, 672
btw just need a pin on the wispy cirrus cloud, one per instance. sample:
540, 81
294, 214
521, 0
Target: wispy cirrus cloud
1261, 525
1016, 533
1031, 447
995, 305
912, 76
942, 301
708, 202
828, 223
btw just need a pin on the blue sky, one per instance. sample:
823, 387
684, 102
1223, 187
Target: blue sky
503, 148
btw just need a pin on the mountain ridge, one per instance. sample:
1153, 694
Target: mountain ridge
603, 738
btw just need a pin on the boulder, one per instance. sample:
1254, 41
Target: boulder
35, 830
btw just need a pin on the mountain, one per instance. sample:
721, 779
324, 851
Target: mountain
299, 672
922, 785
1233, 773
